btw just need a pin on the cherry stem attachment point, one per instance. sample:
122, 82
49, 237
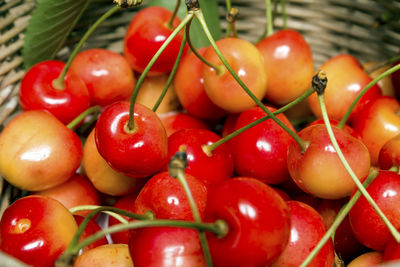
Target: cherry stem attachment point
339, 219
363, 91
173, 16
127, 3
231, 19
303, 144
364, 192
176, 168
95, 110
58, 83
139, 83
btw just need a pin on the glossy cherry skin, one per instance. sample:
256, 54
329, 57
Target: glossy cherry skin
261, 151
37, 91
76, 191
258, 221
107, 75
138, 154
175, 121
392, 251
145, 35
104, 178
377, 123
166, 247
189, 86
288, 64
389, 154
348, 129
306, 230
36, 230
247, 63
91, 228
38, 152
110, 255
386, 83
368, 259
368, 228
346, 78
319, 171
210, 169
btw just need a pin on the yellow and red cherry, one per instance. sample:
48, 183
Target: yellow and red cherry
346, 78
91, 228
261, 151
189, 86
306, 230
385, 84
25, 230
368, 259
38, 92
318, 170
106, 74
222, 88
175, 121
38, 152
145, 35
138, 152
209, 168
76, 191
288, 64
110, 255
104, 178
368, 228
258, 223
389, 155
377, 123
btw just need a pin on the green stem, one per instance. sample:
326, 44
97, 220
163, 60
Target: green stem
209, 148
228, 9
364, 192
171, 75
59, 82
390, 61
139, 83
338, 220
92, 110
93, 207
170, 24
268, 14
283, 6
363, 91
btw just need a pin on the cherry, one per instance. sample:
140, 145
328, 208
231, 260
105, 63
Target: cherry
306, 229
210, 168
175, 121
389, 154
90, 229
107, 75
348, 129
368, 228
392, 251
146, 33
368, 259
246, 62
38, 152
112, 255
288, 64
104, 178
24, 230
319, 171
189, 86
261, 151
258, 223
385, 84
38, 92
138, 152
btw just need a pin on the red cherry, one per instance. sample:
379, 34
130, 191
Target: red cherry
36, 230
261, 151
258, 221
306, 230
368, 228
107, 75
392, 251
175, 121
140, 153
146, 33
37, 91
210, 169
348, 129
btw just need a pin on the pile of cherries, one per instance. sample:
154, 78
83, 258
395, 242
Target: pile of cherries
203, 173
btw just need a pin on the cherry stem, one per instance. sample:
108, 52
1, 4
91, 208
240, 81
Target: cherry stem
93, 207
268, 13
171, 75
231, 19
211, 147
228, 9
218, 68
363, 91
170, 24
58, 83
339, 219
176, 168
390, 61
139, 83
303, 144
283, 6
92, 110
367, 196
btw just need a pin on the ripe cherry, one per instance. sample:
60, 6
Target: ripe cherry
175, 121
